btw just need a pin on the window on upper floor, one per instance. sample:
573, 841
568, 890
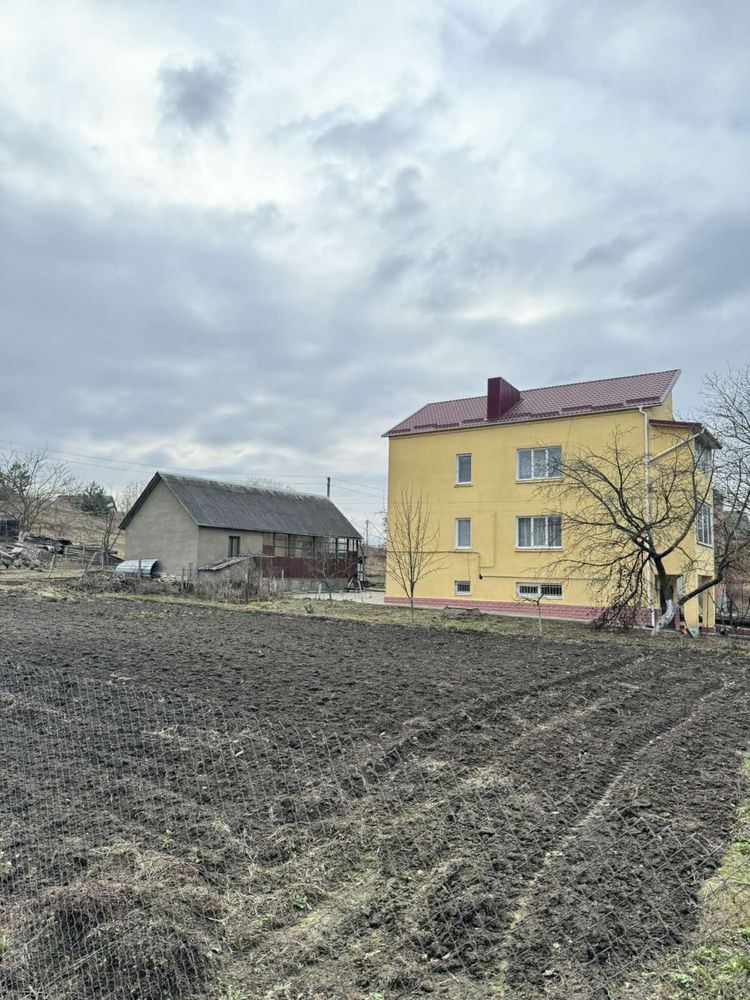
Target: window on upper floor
463, 532
538, 463
704, 459
539, 532
463, 469
704, 528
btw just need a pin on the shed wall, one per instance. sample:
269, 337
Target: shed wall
163, 530
213, 544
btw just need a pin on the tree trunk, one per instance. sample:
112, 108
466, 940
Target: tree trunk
667, 604
667, 616
666, 590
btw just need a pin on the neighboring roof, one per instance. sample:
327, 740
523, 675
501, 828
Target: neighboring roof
688, 425
569, 400
213, 504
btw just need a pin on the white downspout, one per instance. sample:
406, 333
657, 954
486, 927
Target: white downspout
647, 511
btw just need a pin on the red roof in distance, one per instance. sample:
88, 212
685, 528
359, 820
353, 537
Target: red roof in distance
600, 395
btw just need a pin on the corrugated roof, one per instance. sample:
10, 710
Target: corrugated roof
137, 567
627, 392
214, 504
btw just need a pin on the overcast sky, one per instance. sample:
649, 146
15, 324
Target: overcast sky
247, 237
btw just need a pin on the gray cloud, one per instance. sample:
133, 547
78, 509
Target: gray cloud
707, 266
609, 253
407, 199
396, 218
371, 138
347, 133
197, 98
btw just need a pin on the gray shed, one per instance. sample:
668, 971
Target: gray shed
189, 523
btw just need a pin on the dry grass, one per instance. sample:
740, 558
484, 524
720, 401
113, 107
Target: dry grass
449, 620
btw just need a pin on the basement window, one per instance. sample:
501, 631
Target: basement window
234, 546
461, 586
536, 590
538, 463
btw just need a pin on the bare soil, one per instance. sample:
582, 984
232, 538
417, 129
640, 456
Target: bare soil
207, 804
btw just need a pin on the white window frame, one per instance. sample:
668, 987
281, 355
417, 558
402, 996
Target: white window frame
538, 590
463, 548
461, 593
704, 511
532, 478
459, 456
704, 459
537, 517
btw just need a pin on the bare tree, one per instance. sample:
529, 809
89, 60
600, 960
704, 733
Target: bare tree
127, 495
628, 522
30, 483
268, 483
727, 405
411, 542
109, 532
328, 569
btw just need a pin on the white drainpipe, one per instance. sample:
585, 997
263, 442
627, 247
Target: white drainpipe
647, 512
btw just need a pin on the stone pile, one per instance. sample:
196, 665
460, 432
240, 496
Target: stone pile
16, 555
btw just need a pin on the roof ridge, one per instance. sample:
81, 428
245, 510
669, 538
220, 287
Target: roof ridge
606, 378
558, 385
240, 486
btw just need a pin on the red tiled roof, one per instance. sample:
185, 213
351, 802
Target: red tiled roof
624, 393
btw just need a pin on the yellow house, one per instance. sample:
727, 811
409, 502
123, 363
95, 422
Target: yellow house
480, 465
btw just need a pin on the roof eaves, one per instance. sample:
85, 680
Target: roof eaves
689, 425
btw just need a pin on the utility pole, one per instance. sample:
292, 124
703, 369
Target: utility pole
328, 487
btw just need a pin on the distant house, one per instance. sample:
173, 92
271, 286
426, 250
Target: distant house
193, 526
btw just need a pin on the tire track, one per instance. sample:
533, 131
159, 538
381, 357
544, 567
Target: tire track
596, 809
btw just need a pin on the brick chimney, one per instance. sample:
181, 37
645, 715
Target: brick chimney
501, 396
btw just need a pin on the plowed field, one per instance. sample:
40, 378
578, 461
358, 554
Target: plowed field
206, 804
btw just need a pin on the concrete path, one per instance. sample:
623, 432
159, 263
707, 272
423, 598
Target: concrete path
365, 597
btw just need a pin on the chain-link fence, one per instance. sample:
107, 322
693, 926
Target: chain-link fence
153, 847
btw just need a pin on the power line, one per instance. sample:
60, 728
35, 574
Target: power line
131, 465
100, 461
347, 489
364, 486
